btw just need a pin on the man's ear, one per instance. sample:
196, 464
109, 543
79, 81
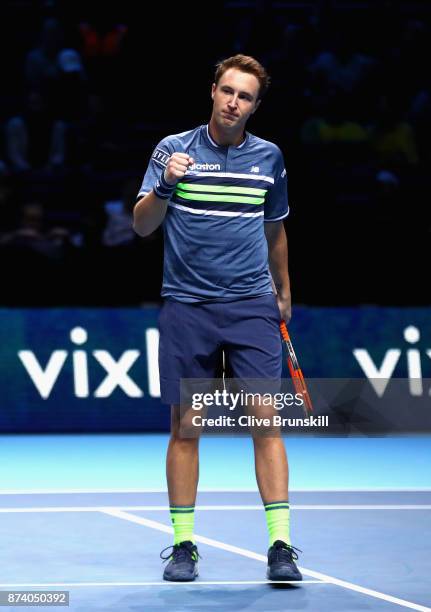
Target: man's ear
256, 106
213, 88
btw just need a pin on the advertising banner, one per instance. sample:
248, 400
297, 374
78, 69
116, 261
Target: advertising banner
96, 370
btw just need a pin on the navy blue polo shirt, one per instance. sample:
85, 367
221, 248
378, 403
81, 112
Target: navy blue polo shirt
215, 246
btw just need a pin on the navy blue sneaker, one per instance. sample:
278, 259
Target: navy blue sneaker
183, 564
281, 562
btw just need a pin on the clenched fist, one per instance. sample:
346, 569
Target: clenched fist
177, 167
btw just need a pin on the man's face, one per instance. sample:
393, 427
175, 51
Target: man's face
235, 99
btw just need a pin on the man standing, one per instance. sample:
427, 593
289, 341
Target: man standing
221, 194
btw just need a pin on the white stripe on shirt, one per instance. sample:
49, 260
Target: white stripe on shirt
215, 213
253, 177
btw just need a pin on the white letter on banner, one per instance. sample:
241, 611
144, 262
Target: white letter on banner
43, 380
80, 373
117, 373
152, 340
378, 378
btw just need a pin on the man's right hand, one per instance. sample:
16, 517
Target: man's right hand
177, 167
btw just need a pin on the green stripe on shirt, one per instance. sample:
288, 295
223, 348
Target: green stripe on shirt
219, 198
221, 189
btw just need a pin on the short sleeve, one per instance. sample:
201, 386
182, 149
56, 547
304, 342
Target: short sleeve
158, 162
276, 202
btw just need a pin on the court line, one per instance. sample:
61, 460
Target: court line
161, 583
214, 507
210, 490
252, 555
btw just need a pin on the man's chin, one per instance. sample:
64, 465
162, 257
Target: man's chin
227, 122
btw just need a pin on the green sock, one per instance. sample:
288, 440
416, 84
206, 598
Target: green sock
278, 520
183, 521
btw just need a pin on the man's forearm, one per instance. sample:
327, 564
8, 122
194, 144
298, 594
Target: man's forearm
148, 214
278, 259
278, 266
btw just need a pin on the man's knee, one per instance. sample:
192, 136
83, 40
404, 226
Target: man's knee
182, 427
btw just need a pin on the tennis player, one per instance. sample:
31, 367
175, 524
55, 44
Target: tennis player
221, 194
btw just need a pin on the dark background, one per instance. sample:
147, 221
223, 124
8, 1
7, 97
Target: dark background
349, 106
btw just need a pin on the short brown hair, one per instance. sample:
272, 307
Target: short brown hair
245, 63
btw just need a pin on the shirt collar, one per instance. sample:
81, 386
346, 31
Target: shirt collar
214, 144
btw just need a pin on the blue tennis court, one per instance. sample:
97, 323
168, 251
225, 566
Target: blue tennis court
89, 514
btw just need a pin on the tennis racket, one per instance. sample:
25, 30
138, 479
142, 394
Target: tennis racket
295, 370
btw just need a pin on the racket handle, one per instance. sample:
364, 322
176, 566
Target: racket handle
295, 371
283, 330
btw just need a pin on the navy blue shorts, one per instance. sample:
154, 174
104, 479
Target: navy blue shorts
193, 337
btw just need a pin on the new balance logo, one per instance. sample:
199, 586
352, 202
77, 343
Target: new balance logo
255, 169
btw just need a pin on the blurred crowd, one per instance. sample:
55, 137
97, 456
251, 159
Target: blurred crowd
89, 93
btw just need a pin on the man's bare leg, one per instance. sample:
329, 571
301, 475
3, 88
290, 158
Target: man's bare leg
182, 465
272, 471
182, 472
272, 474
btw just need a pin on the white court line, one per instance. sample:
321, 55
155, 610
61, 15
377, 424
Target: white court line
49, 585
210, 490
214, 507
252, 555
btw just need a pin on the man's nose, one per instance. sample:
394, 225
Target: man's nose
233, 101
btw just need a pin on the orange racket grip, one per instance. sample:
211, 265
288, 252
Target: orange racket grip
284, 332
